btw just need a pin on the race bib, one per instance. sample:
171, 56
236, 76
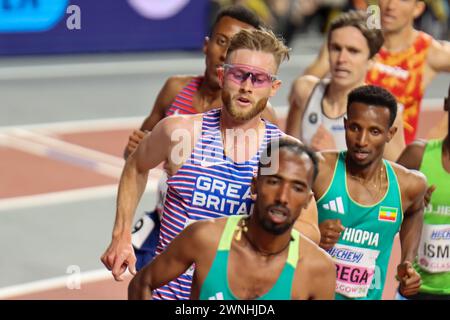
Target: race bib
434, 249
355, 268
141, 231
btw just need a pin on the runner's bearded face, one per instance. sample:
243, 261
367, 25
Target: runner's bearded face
215, 48
366, 132
248, 83
281, 196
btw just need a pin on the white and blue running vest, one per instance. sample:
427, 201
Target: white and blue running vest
208, 185
314, 116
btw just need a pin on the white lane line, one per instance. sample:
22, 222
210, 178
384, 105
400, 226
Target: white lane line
80, 126
54, 283
69, 148
46, 146
41, 150
69, 196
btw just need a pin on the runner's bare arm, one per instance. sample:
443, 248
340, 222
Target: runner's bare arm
327, 165
414, 186
329, 229
307, 222
164, 99
298, 97
179, 255
321, 65
120, 255
397, 144
133, 141
411, 156
411, 229
439, 56
324, 278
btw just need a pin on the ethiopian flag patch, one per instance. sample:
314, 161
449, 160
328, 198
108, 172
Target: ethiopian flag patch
387, 214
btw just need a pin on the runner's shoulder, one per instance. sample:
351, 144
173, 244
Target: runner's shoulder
314, 258
411, 156
328, 158
207, 230
304, 85
176, 83
413, 181
181, 121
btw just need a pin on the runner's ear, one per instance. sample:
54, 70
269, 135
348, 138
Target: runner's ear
391, 133
205, 45
419, 9
220, 74
275, 86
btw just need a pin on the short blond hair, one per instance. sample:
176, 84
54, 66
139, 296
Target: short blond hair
260, 40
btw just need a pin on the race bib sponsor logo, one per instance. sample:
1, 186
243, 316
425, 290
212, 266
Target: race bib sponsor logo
355, 269
347, 255
393, 71
190, 271
434, 249
337, 127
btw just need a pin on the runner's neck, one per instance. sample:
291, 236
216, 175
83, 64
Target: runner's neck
266, 244
336, 98
368, 173
400, 41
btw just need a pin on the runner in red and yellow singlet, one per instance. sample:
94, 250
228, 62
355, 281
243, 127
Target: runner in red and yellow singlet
402, 74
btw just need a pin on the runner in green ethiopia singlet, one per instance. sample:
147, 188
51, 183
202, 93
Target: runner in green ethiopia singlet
433, 263
215, 286
362, 253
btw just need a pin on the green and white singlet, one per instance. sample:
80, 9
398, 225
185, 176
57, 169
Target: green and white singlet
362, 252
433, 262
215, 286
